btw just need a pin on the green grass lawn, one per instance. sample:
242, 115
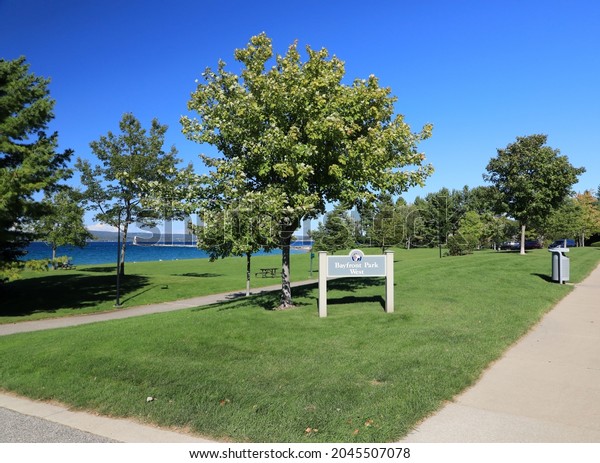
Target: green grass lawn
93, 288
235, 371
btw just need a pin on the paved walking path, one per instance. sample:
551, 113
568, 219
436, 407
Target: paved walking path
546, 388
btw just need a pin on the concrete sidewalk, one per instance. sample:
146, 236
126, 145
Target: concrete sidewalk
546, 388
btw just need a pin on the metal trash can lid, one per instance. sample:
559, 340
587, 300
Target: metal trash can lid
558, 250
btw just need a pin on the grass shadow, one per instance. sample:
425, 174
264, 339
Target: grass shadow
50, 293
105, 269
198, 275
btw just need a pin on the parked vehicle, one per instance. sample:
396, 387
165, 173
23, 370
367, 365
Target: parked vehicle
561, 243
516, 245
532, 244
510, 246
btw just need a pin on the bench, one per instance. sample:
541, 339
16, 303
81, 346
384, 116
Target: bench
270, 272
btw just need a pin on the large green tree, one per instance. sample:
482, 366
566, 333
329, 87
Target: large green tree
532, 178
29, 160
294, 131
128, 161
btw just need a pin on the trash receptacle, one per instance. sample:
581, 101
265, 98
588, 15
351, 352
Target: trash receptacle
560, 265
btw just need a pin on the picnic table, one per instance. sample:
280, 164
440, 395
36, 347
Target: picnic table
269, 272
65, 266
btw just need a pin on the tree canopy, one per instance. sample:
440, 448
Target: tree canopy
29, 160
532, 178
297, 133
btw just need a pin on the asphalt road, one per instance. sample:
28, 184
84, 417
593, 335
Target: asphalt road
19, 428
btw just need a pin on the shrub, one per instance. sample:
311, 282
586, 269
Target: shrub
459, 245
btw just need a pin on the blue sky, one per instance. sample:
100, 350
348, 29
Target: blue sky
482, 72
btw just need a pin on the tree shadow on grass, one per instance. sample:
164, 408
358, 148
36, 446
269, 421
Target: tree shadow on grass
304, 295
105, 269
49, 293
357, 300
198, 275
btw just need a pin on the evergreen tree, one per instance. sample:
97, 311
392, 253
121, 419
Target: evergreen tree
29, 161
335, 233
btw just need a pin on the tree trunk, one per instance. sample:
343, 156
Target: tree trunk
286, 287
53, 257
248, 257
523, 239
124, 246
287, 232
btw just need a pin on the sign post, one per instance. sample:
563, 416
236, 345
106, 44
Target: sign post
389, 281
356, 264
322, 284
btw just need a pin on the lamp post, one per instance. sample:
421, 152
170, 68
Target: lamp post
118, 302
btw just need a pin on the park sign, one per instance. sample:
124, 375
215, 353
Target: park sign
356, 264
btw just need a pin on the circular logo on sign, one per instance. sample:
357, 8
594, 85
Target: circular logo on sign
356, 255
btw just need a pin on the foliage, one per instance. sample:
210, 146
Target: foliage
38, 265
590, 215
564, 222
64, 224
432, 220
386, 227
29, 161
468, 236
296, 133
335, 233
114, 187
10, 271
497, 228
532, 178
578, 218
440, 215
241, 229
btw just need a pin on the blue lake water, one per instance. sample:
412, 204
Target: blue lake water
100, 252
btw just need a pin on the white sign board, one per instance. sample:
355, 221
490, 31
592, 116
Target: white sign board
344, 266
356, 264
